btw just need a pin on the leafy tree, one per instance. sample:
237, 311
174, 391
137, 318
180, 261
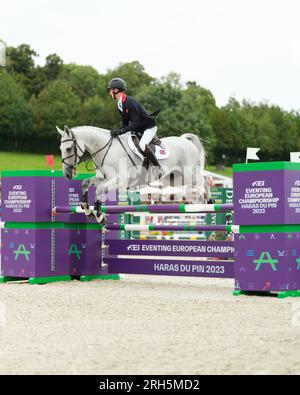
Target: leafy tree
192, 115
93, 111
21, 59
163, 94
53, 67
35, 98
15, 118
238, 126
43, 75
264, 131
234, 131
37, 83
201, 97
20, 62
172, 79
280, 133
58, 105
182, 110
85, 80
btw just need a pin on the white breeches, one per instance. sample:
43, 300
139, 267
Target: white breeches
147, 137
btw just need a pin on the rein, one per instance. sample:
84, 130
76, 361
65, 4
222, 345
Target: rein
132, 161
88, 157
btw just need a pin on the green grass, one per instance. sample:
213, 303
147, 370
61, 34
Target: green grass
18, 161
227, 172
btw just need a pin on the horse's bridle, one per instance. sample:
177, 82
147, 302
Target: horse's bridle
76, 147
90, 157
87, 158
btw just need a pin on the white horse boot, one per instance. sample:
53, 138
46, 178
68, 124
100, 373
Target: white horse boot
85, 205
101, 218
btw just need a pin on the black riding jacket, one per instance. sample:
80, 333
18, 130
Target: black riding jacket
134, 117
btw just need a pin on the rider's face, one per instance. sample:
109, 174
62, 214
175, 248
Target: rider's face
112, 92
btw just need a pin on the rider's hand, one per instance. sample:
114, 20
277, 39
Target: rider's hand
115, 132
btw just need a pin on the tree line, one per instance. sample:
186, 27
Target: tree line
33, 99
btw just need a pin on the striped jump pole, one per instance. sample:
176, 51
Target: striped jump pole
188, 228
158, 227
165, 208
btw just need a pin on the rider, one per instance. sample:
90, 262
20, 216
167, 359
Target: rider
134, 118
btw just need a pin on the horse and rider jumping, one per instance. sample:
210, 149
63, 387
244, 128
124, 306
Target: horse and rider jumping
115, 157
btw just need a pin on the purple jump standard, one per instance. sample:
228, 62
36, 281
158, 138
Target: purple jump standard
267, 208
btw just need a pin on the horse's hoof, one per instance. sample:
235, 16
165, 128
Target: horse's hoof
87, 211
101, 219
86, 208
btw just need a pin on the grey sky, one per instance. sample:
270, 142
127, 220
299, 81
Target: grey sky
245, 48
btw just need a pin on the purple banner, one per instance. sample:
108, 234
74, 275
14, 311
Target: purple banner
30, 199
267, 197
221, 249
219, 269
75, 199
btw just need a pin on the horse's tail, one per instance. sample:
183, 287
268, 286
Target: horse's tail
197, 142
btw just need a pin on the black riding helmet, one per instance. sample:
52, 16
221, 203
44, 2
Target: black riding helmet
117, 83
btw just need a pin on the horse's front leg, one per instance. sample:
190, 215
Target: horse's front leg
101, 188
85, 194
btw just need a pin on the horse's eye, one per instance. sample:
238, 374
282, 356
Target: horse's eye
68, 149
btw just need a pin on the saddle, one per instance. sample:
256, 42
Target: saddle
155, 141
156, 145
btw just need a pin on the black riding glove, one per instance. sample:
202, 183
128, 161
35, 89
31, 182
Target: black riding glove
115, 132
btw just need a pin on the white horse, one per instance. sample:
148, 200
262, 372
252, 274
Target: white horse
117, 166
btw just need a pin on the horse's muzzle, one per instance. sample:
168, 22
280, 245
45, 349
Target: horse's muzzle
70, 174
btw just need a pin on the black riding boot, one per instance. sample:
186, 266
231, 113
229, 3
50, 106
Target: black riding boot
152, 158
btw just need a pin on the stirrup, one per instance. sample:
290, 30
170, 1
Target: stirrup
158, 172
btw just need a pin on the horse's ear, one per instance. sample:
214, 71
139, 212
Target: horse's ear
67, 130
61, 132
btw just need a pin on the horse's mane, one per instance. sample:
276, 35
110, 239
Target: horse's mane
91, 128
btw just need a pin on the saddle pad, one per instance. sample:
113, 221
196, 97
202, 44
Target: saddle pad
161, 151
